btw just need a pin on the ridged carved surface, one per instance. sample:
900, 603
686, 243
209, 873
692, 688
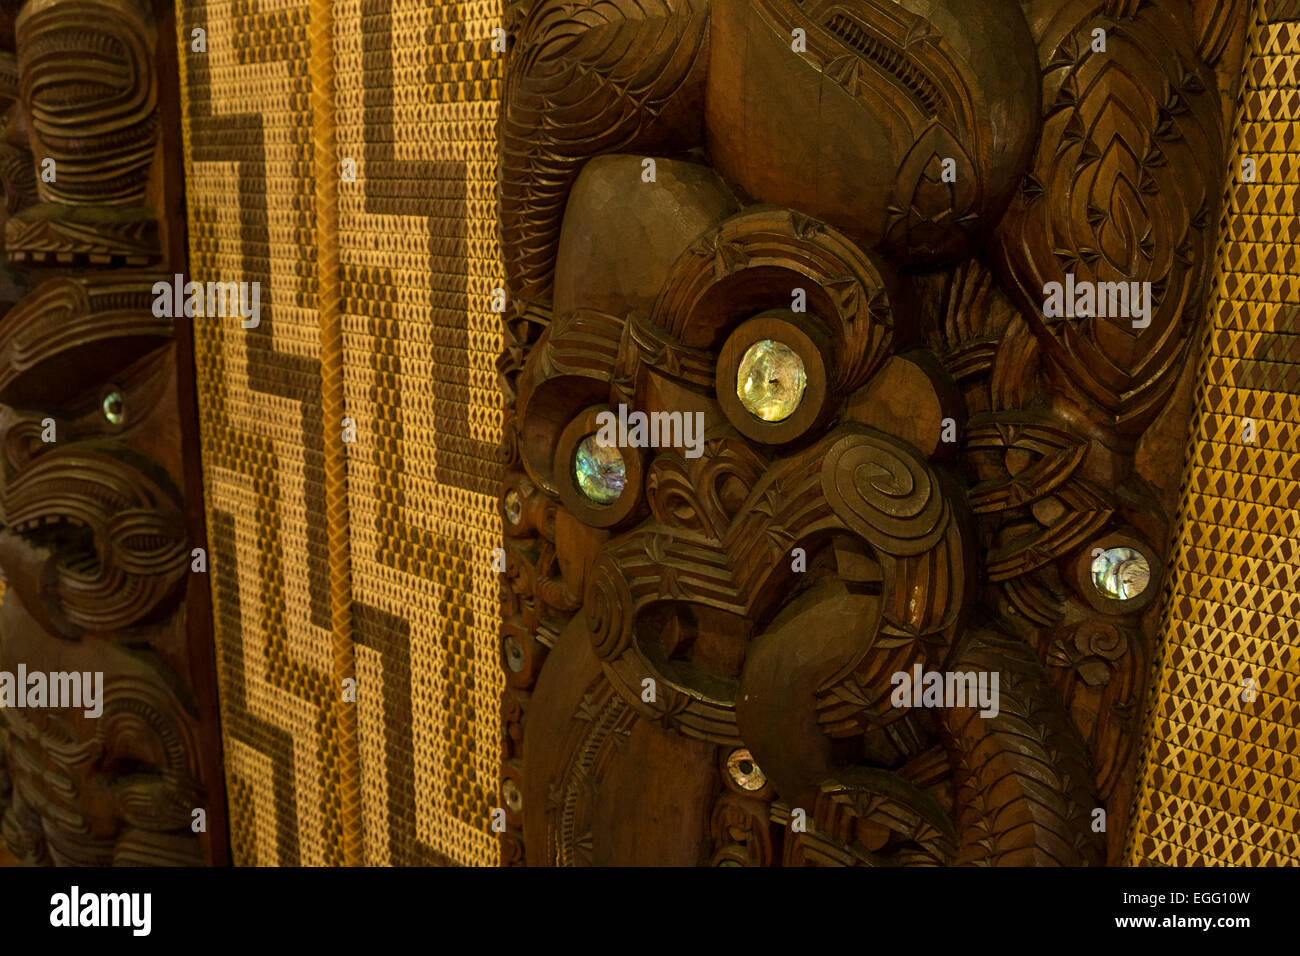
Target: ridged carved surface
905, 86
93, 549
703, 672
118, 790
87, 114
95, 546
86, 69
590, 78
1124, 187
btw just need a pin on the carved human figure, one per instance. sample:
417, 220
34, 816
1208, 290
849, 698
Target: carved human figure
827, 230
93, 551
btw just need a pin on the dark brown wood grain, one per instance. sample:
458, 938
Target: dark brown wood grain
958, 459
97, 526
170, 171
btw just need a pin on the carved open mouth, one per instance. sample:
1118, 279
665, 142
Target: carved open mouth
90, 533
62, 514
695, 646
66, 538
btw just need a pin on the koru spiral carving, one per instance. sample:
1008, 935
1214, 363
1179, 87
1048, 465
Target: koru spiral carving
825, 231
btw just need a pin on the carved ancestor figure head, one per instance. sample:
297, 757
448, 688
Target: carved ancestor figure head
93, 549
824, 232
114, 789
91, 537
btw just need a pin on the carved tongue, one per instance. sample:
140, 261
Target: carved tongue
817, 635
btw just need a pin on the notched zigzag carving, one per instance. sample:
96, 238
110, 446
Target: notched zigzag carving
1123, 188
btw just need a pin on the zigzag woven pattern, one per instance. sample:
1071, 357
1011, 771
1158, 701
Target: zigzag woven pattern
1220, 779
334, 558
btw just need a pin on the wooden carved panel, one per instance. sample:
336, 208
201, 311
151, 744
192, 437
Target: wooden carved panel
102, 559
841, 236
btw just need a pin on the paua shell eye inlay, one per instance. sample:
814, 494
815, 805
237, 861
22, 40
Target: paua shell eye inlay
600, 472
114, 407
514, 506
770, 380
513, 796
514, 654
744, 772
1120, 574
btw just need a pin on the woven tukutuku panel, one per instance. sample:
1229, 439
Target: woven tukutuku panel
1220, 779
417, 93
400, 333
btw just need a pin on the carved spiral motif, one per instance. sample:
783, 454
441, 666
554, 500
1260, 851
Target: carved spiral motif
1102, 640
608, 607
885, 493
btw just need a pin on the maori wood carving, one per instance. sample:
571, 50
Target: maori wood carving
861, 207
95, 533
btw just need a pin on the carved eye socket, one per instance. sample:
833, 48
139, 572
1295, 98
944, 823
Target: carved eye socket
1120, 574
771, 376
1116, 573
600, 472
770, 380
599, 484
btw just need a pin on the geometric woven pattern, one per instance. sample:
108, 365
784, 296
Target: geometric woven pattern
417, 89
1220, 778
408, 295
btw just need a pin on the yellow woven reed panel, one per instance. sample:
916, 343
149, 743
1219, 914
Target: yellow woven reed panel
320, 24
250, 193
405, 588
417, 93
1220, 778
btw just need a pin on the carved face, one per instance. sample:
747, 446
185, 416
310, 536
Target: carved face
93, 549
794, 547
91, 536
117, 789
899, 469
